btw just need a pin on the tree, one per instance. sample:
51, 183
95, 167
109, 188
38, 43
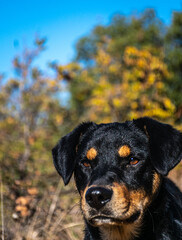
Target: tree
122, 73
139, 31
114, 90
31, 116
173, 47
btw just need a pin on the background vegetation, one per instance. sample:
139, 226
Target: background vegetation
127, 69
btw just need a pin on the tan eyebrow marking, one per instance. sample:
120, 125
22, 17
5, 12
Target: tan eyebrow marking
124, 151
91, 154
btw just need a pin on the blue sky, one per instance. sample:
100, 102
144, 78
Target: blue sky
63, 23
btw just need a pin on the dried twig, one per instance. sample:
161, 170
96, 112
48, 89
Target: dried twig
53, 205
60, 220
30, 231
70, 225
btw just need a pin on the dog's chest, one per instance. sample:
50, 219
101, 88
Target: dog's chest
125, 232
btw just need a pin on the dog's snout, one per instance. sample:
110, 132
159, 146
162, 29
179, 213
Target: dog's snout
97, 197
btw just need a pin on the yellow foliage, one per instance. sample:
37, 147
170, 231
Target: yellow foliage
141, 63
114, 68
103, 58
131, 51
138, 89
70, 69
134, 105
160, 85
59, 119
117, 102
168, 104
151, 78
52, 83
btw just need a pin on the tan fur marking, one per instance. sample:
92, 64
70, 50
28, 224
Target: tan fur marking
139, 198
84, 205
127, 201
81, 193
156, 182
124, 151
124, 232
91, 154
120, 193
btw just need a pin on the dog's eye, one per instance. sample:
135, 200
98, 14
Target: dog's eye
86, 164
133, 161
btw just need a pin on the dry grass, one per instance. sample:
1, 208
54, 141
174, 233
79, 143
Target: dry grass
51, 215
55, 215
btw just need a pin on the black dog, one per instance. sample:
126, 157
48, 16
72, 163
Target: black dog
119, 171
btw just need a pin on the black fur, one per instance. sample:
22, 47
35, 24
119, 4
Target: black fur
157, 147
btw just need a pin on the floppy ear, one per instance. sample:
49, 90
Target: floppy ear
64, 153
165, 144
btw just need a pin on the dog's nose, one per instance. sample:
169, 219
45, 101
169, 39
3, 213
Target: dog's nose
97, 197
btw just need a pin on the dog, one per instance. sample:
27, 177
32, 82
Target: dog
119, 171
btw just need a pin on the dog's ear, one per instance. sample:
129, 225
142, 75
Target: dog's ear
165, 144
64, 153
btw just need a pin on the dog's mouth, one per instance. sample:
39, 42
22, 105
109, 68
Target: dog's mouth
110, 220
105, 220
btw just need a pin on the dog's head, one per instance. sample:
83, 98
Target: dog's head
118, 167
